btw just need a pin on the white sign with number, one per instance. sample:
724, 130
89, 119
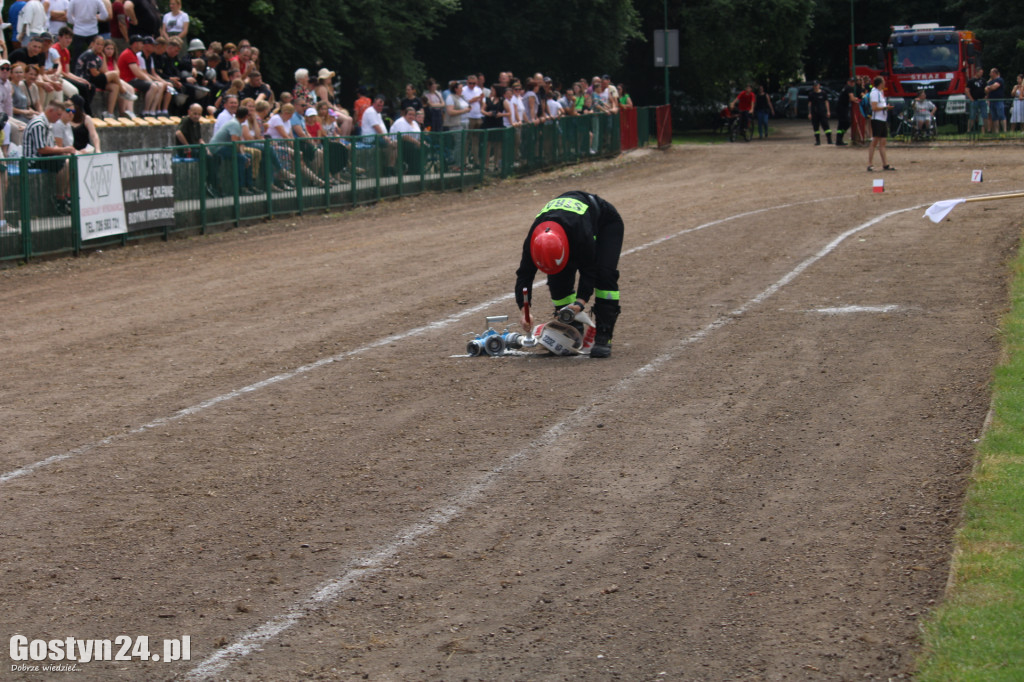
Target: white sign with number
100, 200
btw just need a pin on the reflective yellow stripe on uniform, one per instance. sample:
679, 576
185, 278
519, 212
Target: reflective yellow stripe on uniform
565, 204
606, 295
571, 298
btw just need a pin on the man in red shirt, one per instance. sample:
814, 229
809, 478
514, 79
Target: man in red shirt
131, 72
362, 103
84, 87
744, 103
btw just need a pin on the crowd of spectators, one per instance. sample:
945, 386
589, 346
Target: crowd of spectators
127, 60
127, 49
248, 111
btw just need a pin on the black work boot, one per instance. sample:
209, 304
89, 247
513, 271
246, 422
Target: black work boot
602, 347
828, 136
817, 139
839, 139
606, 313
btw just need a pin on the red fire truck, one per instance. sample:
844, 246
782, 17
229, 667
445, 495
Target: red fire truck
929, 57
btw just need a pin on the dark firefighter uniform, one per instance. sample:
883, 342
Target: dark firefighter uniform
844, 109
817, 108
594, 230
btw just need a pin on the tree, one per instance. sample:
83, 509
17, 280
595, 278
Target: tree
723, 44
564, 39
364, 41
997, 23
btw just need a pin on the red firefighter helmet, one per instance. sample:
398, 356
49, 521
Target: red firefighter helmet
549, 247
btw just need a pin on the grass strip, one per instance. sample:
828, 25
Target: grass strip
978, 633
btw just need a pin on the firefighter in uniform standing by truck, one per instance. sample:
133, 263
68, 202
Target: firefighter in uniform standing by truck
818, 112
844, 109
576, 232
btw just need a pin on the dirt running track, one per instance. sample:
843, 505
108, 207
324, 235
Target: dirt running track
267, 440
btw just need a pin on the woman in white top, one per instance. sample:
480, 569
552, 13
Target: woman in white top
175, 22
255, 129
456, 113
61, 129
511, 111
554, 108
1017, 113
456, 119
279, 127
879, 123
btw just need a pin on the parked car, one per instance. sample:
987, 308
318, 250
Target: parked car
782, 108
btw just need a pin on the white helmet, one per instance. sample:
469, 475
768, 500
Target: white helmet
560, 338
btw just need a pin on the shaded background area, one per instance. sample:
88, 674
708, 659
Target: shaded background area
723, 43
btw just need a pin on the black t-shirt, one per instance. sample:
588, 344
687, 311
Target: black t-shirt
21, 55
816, 101
975, 85
250, 91
843, 105
192, 130
180, 65
149, 17
413, 102
492, 110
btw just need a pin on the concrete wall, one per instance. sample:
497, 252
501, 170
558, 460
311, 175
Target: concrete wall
148, 136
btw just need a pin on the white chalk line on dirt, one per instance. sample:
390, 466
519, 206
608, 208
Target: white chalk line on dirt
852, 309
251, 388
373, 563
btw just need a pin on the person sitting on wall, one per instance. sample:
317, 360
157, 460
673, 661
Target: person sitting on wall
39, 141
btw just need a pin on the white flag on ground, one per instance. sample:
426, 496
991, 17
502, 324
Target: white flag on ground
940, 209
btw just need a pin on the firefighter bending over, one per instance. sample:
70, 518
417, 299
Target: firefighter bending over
576, 232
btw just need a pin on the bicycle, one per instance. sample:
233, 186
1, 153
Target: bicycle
740, 125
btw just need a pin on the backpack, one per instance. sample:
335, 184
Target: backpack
865, 104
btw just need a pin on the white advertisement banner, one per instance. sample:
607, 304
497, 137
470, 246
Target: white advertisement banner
100, 200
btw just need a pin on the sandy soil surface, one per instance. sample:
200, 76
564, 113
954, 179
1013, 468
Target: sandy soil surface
269, 439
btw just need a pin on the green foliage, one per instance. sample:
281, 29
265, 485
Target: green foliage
731, 42
564, 39
385, 45
723, 45
997, 23
261, 8
364, 41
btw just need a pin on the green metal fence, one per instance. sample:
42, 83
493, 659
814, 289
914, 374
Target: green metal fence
957, 120
644, 125
229, 184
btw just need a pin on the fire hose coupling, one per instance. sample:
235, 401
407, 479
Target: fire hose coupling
570, 313
495, 343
